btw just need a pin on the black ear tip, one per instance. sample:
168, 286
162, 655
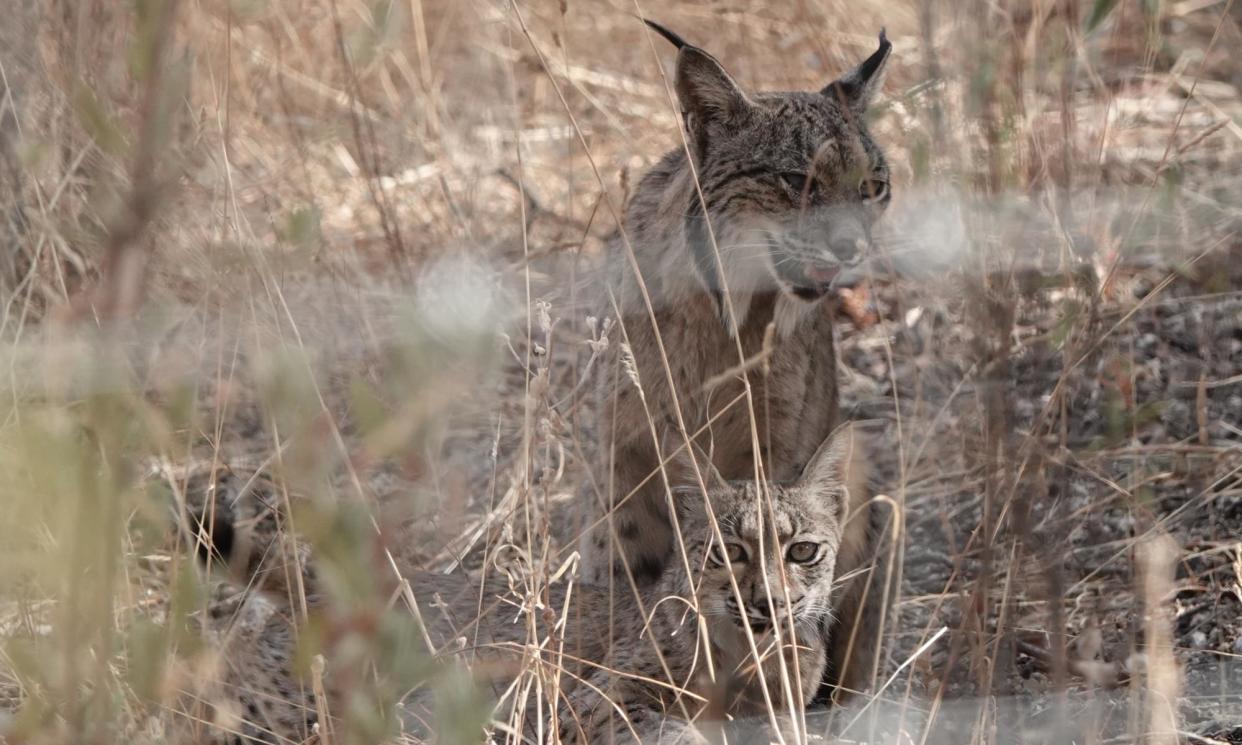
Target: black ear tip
885, 44
673, 38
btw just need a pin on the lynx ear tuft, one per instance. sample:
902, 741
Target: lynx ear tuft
828, 469
673, 38
858, 87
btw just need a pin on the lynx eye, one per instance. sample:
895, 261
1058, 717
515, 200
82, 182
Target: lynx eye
796, 181
730, 553
873, 190
802, 552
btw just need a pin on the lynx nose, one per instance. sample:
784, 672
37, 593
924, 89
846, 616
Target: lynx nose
849, 250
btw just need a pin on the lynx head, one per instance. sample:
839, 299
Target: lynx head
791, 182
780, 552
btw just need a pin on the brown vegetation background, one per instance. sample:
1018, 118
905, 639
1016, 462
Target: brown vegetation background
336, 244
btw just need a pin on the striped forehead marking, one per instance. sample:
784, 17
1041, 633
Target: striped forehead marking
753, 513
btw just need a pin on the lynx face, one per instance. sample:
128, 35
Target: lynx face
797, 558
791, 182
780, 548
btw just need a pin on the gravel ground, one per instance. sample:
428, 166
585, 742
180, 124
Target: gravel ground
1135, 447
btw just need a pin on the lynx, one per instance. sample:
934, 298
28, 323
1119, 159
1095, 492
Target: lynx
726, 249
731, 629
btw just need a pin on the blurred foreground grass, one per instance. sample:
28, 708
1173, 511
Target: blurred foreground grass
303, 237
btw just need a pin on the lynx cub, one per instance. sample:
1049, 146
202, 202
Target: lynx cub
664, 666
769, 570
733, 244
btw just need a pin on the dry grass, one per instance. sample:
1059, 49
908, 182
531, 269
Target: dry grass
336, 245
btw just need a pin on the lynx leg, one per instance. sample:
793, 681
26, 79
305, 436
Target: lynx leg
627, 715
641, 725
854, 637
652, 728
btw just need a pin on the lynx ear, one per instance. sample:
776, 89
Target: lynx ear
858, 87
828, 468
707, 94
